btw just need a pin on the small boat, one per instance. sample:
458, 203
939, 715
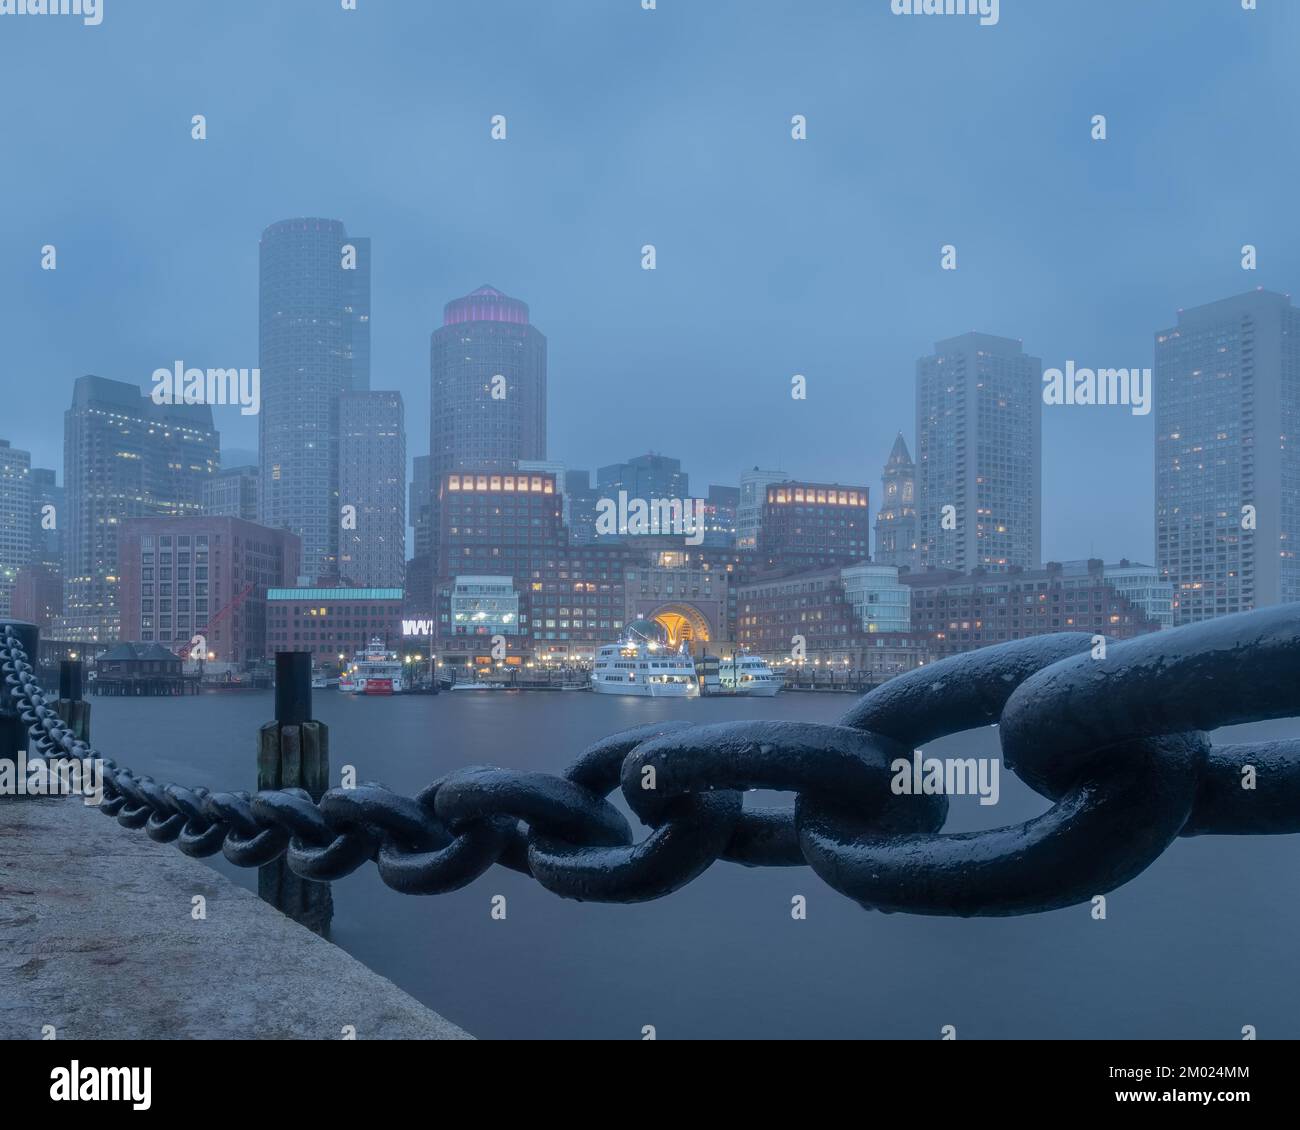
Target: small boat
479, 687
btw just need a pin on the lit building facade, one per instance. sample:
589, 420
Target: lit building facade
1227, 415
15, 519
123, 457
965, 611
810, 620
813, 526
979, 408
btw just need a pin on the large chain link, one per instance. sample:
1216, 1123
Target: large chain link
1113, 736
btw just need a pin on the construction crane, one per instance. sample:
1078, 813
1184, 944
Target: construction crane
186, 650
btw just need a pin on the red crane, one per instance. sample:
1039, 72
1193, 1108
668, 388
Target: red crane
184, 649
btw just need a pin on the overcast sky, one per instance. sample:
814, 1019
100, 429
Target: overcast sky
669, 127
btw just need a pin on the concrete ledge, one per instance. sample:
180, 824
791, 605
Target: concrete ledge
97, 939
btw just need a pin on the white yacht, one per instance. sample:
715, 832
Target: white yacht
642, 663
373, 671
748, 675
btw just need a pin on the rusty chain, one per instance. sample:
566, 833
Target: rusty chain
1116, 742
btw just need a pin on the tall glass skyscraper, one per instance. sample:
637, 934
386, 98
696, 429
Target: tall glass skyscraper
979, 419
314, 346
123, 457
1227, 408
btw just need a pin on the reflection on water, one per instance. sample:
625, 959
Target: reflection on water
1189, 949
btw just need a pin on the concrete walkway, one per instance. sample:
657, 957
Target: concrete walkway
97, 939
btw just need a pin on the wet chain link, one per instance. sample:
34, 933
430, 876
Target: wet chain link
1114, 737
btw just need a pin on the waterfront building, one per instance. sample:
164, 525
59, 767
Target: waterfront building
813, 526
1227, 465
816, 619
37, 596
201, 583
965, 611
979, 405
332, 622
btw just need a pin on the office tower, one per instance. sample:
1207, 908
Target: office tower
314, 320
896, 533
646, 477
979, 455
1227, 409
753, 499
580, 501
419, 509
372, 482
123, 457
15, 519
720, 509
814, 526
232, 493
47, 520
487, 371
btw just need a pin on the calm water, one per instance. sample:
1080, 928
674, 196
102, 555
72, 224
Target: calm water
1199, 945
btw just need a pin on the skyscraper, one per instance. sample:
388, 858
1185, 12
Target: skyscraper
15, 518
645, 476
372, 481
420, 510
47, 525
896, 534
123, 457
1227, 408
314, 346
232, 493
487, 371
979, 452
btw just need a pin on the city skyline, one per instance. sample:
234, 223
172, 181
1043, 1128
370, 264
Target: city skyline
849, 292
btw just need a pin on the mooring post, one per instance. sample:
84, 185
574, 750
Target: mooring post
293, 752
13, 730
72, 707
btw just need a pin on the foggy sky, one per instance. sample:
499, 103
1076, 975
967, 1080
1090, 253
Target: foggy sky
669, 127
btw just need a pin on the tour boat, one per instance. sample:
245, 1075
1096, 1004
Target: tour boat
748, 675
642, 663
375, 671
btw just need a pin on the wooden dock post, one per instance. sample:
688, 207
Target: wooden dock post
293, 752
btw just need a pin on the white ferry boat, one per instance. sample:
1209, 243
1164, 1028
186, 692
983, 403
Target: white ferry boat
373, 671
642, 663
748, 675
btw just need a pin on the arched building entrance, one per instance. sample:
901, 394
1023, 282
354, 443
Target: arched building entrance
683, 622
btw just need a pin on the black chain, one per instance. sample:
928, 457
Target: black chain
1112, 735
